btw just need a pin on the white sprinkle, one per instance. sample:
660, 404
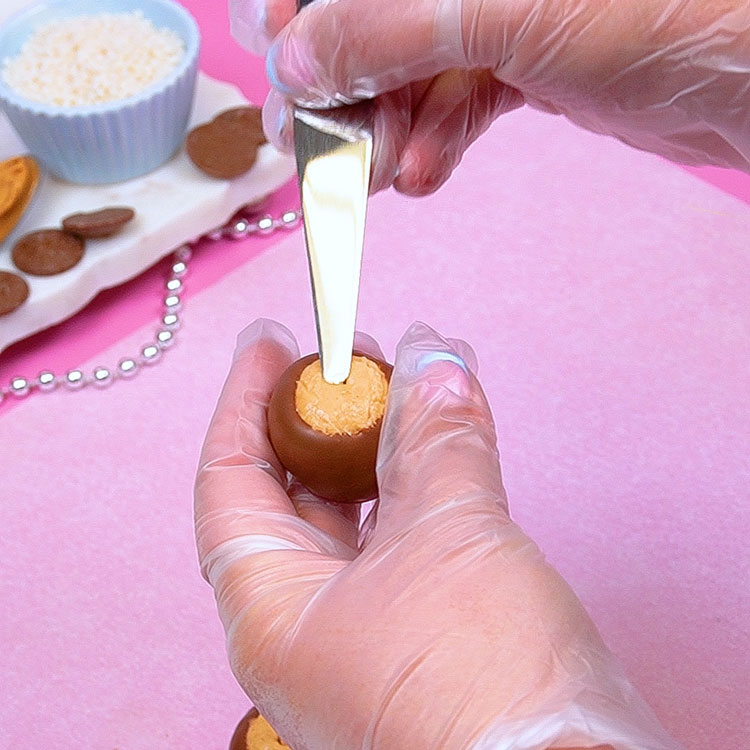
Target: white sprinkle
92, 59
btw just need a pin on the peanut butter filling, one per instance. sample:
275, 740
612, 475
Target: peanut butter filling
344, 409
262, 736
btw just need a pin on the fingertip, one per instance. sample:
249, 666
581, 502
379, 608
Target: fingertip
291, 69
384, 171
431, 369
367, 344
422, 348
255, 23
264, 329
277, 122
457, 107
438, 441
248, 25
277, 14
466, 352
430, 358
427, 374
444, 370
326, 55
392, 113
272, 68
418, 177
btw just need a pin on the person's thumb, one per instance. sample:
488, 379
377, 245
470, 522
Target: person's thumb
438, 446
342, 51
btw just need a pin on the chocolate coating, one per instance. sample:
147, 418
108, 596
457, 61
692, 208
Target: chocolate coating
239, 738
335, 467
258, 741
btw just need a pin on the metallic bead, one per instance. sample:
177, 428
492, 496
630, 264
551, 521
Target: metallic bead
150, 353
74, 379
179, 269
172, 302
239, 229
265, 224
102, 376
184, 253
174, 285
127, 367
165, 338
171, 321
290, 219
20, 387
217, 234
46, 381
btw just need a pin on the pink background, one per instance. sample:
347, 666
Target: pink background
606, 293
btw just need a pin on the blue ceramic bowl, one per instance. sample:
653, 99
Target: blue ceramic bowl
114, 141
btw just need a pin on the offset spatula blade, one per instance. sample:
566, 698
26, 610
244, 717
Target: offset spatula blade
334, 155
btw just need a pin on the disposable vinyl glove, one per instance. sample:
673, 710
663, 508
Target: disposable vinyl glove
439, 626
667, 76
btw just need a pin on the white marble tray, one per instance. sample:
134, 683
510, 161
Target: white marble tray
173, 204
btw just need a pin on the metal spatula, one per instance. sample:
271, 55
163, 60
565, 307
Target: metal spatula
334, 155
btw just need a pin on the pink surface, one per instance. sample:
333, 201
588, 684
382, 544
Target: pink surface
732, 182
610, 315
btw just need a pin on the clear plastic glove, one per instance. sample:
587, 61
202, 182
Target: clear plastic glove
439, 625
667, 76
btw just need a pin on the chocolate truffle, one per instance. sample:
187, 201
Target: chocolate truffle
327, 435
255, 733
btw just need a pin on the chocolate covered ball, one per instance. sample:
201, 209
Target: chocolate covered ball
255, 733
327, 435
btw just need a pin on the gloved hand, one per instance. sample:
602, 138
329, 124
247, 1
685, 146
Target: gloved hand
668, 76
442, 627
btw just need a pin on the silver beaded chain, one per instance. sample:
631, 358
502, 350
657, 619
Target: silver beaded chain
169, 323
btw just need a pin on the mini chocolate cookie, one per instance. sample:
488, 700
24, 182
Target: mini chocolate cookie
227, 146
102, 223
47, 252
251, 117
13, 292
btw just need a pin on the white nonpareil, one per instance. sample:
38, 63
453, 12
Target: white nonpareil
92, 59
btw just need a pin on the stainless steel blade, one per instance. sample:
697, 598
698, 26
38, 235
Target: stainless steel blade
334, 155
